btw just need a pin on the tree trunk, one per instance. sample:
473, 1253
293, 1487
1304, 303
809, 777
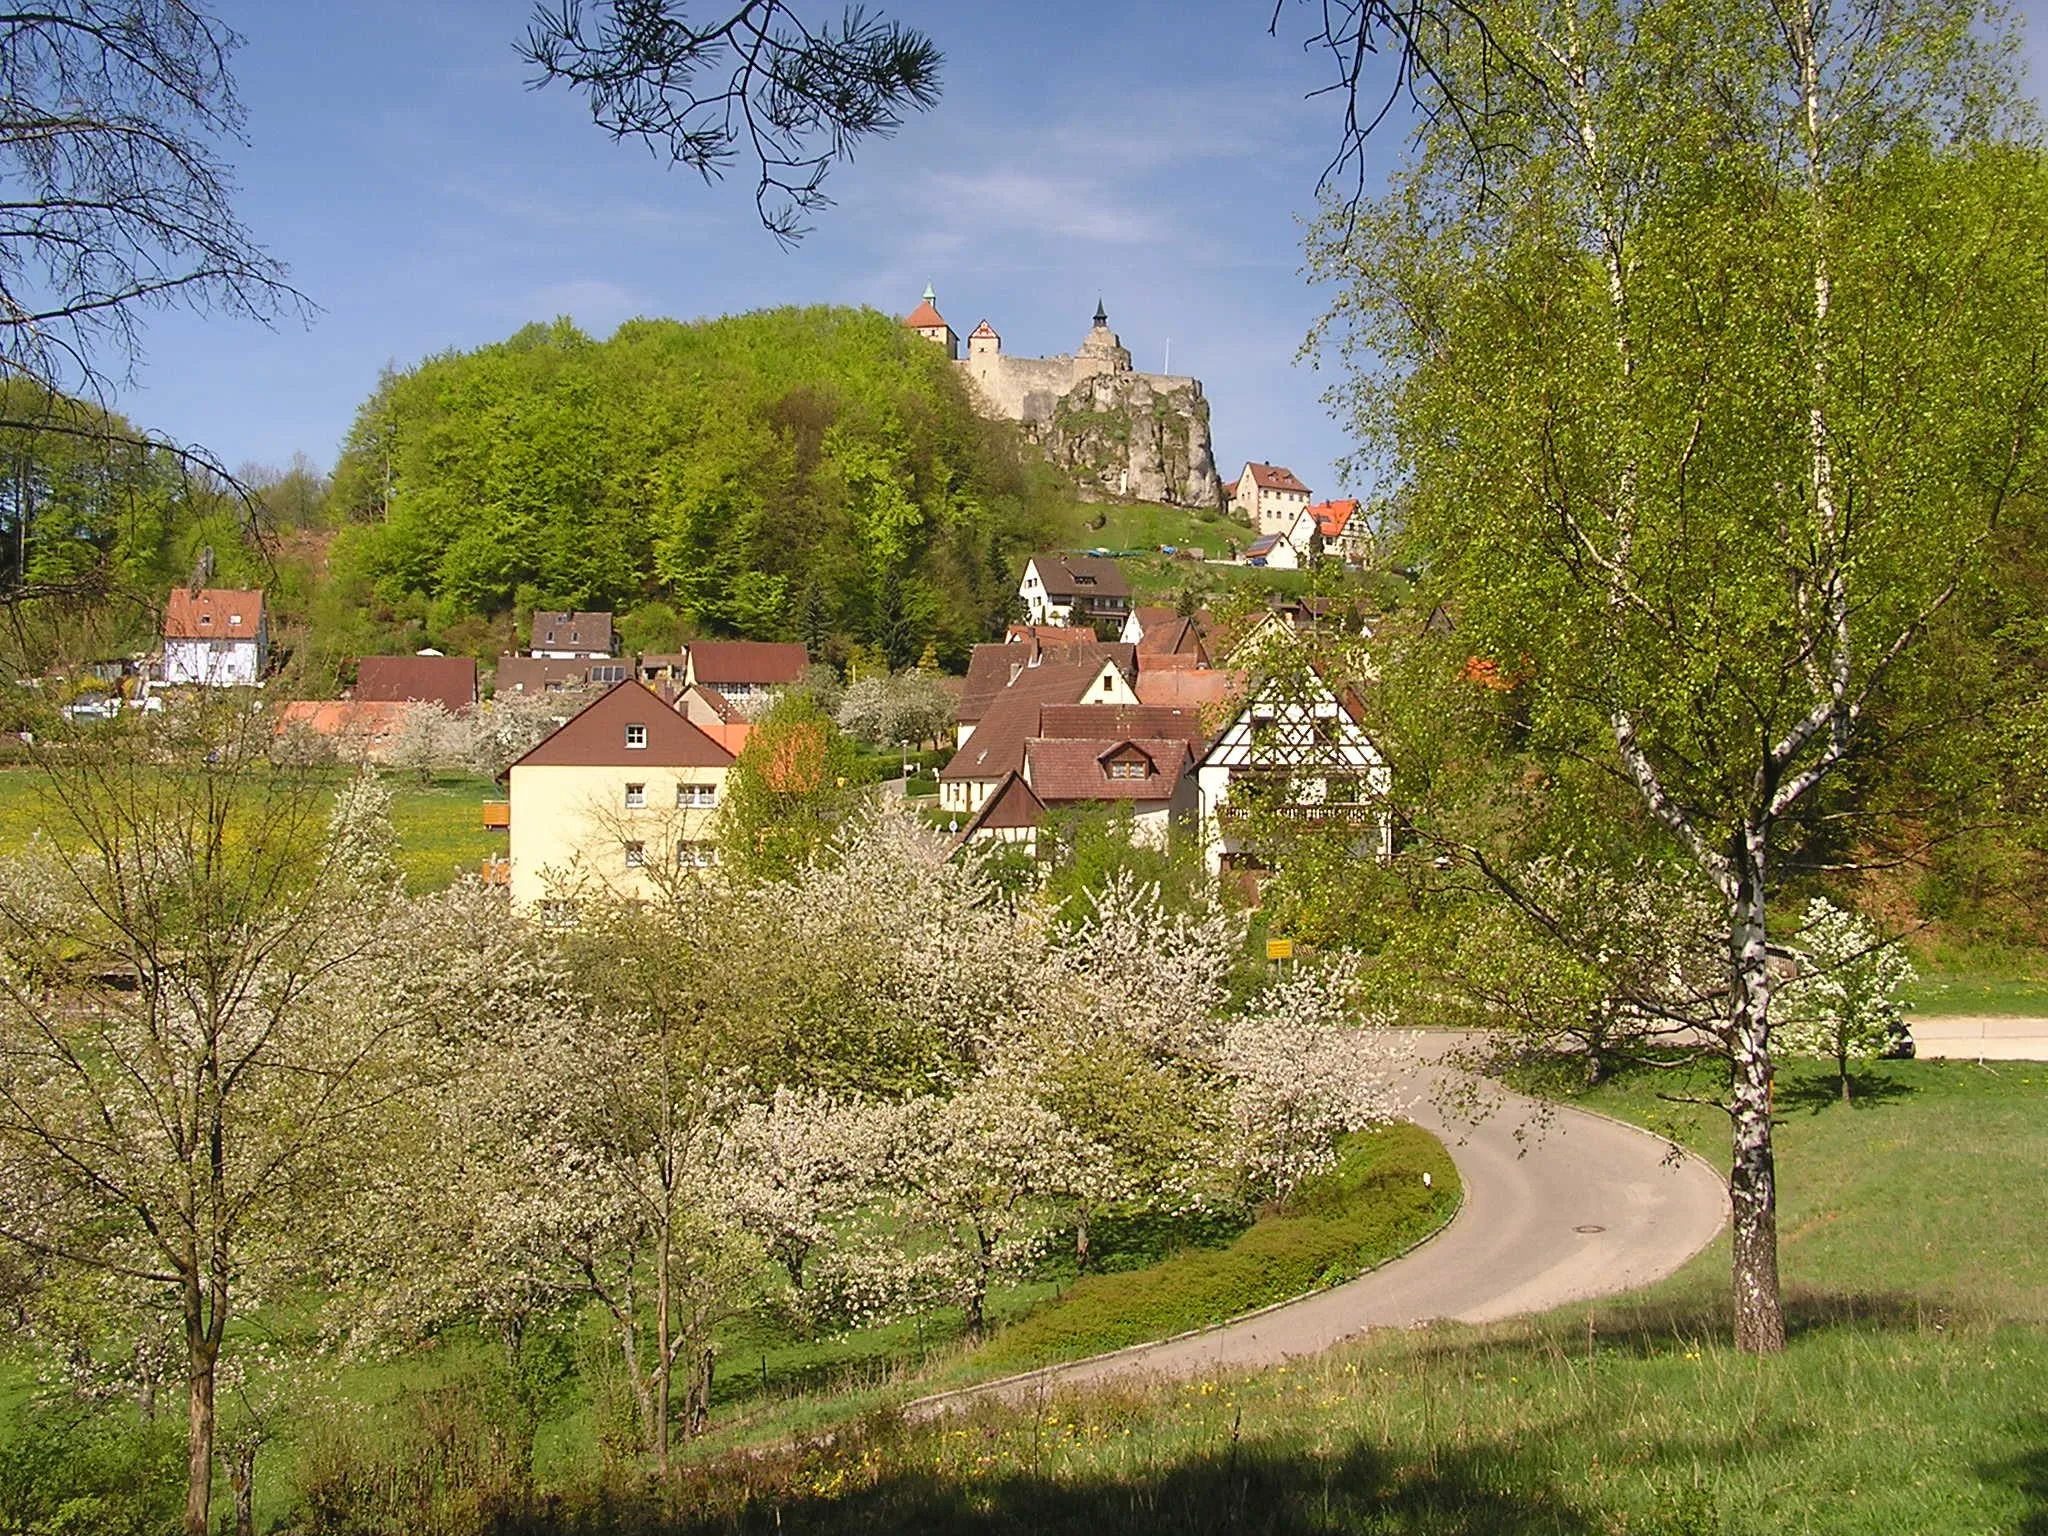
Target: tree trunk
664, 1358
199, 1463
242, 1480
1081, 1242
1752, 1180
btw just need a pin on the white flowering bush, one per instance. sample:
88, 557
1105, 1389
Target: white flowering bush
1843, 1005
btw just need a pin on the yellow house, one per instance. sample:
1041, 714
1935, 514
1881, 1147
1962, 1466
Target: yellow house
617, 799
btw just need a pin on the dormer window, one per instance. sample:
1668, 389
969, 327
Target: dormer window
1135, 768
234, 619
206, 620
636, 737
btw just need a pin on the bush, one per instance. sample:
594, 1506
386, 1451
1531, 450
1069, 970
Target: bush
1369, 1208
62, 1473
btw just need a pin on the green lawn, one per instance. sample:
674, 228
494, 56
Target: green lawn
1972, 992
1910, 1398
439, 822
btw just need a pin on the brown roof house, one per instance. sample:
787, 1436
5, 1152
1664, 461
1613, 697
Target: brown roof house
1074, 590
996, 666
218, 637
995, 746
556, 674
619, 797
564, 636
744, 670
449, 681
1138, 759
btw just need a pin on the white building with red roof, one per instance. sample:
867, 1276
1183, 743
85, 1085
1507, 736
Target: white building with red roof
218, 637
1271, 495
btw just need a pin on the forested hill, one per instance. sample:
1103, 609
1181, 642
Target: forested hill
806, 474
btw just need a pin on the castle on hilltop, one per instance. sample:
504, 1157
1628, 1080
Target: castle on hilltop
1122, 432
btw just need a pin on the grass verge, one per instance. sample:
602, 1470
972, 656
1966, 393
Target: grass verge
1372, 1206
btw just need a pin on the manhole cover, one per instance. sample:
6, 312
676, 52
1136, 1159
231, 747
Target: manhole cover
1590, 1226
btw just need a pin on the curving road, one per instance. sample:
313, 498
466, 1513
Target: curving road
1560, 1206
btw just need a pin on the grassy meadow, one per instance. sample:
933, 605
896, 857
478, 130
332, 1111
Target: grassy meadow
438, 821
1909, 1400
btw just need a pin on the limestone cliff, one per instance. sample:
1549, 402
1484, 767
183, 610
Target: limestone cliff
1134, 434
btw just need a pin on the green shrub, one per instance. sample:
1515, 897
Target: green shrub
1369, 1208
64, 1473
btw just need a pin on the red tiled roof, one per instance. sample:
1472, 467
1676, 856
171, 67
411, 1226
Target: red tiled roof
449, 681
761, 663
1119, 722
213, 613
1189, 689
1275, 477
996, 668
717, 705
997, 742
983, 329
365, 718
595, 736
1331, 516
924, 316
1060, 771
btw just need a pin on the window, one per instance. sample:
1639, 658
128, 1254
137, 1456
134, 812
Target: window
696, 797
608, 674
636, 855
636, 736
557, 913
1132, 770
1108, 684
234, 618
206, 620
695, 855
636, 796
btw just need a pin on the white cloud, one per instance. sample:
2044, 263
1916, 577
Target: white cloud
1067, 208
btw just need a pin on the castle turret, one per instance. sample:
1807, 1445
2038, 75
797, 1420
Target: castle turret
931, 325
1101, 351
983, 341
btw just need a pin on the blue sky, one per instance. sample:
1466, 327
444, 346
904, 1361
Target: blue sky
1161, 155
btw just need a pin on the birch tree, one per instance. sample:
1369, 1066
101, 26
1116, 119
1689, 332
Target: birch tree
1709, 385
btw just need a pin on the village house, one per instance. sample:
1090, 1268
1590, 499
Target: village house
745, 671
1270, 495
995, 745
352, 730
1297, 748
994, 667
449, 681
614, 800
1075, 591
218, 637
563, 636
1087, 755
556, 674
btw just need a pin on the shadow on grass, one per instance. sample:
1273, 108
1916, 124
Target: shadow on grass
1490, 1489
1867, 1090
2028, 1473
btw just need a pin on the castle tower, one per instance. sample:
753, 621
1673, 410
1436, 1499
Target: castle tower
1101, 351
983, 341
931, 325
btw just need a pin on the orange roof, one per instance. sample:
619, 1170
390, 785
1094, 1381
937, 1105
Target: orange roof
343, 717
1331, 516
1275, 477
924, 317
214, 613
1189, 690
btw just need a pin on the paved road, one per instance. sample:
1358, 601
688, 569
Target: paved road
1979, 1038
1560, 1206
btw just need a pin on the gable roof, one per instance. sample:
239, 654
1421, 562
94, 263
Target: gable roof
983, 329
1033, 665
1264, 545
925, 316
595, 736
996, 744
715, 703
449, 681
1274, 477
1068, 770
1012, 804
1080, 575
213, 613
755, 663
371, 718
1332, 516
560, 629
